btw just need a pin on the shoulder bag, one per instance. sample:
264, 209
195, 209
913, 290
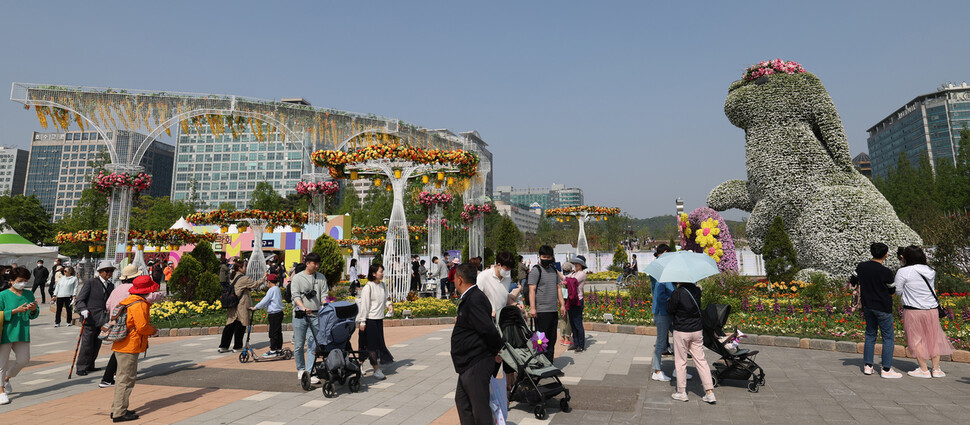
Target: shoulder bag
939, 307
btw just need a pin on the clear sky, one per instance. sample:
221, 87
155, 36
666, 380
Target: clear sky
622, 99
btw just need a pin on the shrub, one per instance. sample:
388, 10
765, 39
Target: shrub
207, 287
641, 291
331, 258
206, 256
191, 283
619, 259
781, 262
725, 288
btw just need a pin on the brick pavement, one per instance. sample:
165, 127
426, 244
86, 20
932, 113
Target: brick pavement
609, 383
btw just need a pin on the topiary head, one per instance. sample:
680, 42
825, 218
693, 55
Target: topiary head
773, 98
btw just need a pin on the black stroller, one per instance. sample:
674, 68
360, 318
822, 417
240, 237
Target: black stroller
531, 366
734, 365
334, 362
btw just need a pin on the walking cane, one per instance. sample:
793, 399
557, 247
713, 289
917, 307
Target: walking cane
76, 349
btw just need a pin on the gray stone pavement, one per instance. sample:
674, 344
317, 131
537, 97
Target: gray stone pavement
609, 384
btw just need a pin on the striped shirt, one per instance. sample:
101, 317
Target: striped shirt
547, 289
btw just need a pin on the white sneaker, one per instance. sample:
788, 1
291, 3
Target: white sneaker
660, 376
689, 376
867, 370
919, 373
709, 398
937, 373
379, 375
299, 374
57, 325
890, 374
7, 387
314, 380
679, 396
4, 399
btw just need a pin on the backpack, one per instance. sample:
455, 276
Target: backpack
117, 327
525, 289
288, 293
228, 298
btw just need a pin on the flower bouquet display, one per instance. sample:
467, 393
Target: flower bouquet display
776, 66
704, 231
591, 210
106, 182
429, 199
336, 161
309, 188
473, 211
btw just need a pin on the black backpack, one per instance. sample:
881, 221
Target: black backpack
525, 288
228, 298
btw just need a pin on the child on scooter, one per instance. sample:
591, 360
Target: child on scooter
273, 303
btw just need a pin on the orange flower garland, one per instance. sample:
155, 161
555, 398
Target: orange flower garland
224, 218
336, 161
593, 210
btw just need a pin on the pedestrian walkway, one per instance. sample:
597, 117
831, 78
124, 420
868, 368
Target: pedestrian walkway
184, 380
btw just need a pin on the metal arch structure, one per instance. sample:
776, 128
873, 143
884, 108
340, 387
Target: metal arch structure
475, 194
108, 111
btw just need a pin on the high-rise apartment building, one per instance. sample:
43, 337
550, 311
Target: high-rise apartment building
930, 124
59, 167
13, 170
556, 196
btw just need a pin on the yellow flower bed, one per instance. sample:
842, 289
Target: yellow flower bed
177, 309
423, 307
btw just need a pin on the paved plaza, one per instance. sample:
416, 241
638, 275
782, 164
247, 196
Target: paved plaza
184, 380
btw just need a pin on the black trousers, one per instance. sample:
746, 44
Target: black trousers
43, 293
447, 288
549, 324
110, 369
63, 303
90, 345
275, 330
233, 331
471, 397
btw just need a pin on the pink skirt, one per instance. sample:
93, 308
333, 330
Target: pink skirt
924, 335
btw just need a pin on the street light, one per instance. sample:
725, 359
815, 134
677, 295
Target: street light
680, 206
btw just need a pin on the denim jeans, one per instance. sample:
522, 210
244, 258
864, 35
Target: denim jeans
662, 321
883, 322
304, 337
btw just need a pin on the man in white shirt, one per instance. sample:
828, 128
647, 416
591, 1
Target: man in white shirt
495, 282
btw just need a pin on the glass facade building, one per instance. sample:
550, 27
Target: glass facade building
556, 196
58, 168
226, 168
929, 124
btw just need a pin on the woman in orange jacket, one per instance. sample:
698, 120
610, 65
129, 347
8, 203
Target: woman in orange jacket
136, 342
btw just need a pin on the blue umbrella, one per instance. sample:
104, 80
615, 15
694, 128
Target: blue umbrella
682, 266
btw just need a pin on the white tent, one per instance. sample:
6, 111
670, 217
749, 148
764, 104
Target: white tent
15, 249
182, 224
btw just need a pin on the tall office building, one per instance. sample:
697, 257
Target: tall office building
556, 196
930, 123
58, 169
225, 168
13, 170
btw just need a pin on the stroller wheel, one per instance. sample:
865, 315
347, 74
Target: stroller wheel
753, 386
564, 406
353, 384
287, 354
244, 356
715, 379
540, 412
329, 390
305, 382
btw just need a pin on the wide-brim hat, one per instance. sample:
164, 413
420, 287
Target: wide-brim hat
579, 259
129, 272
143, 285
106, 265
456, 261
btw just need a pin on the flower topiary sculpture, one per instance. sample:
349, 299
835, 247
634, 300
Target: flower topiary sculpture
799, 169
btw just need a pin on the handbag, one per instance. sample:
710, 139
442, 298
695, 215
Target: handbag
498, 400
53, 307
939, 307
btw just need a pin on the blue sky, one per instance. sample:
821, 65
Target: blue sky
622, 99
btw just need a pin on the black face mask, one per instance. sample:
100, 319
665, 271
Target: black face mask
546, 263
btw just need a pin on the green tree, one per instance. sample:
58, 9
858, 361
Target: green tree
228, 206
349, 200
505, 236
206, 256
191, 282
158, 213
331, 259
297, 202
265, 198
781, 262
195, 201
26, 216
619, 258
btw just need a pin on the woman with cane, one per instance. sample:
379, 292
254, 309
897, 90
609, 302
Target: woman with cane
18, 308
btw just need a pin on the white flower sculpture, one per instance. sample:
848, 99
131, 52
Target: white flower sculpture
799, 169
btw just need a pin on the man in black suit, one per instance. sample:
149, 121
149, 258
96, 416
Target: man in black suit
475, 344
91, 303
40, 280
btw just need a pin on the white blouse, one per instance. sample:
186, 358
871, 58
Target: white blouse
372, 303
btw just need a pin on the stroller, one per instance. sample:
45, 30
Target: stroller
334, 362
531, 367
735, 365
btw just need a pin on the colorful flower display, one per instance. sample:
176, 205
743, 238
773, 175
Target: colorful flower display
592, 210
429, 199
472, 211
225, 218
336, 161
363, 243
799, 168
770, 67
310, 188
151, 237
703, 230
382, 230
105, 183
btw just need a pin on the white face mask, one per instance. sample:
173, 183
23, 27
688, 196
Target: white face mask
506, 273
19, 285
